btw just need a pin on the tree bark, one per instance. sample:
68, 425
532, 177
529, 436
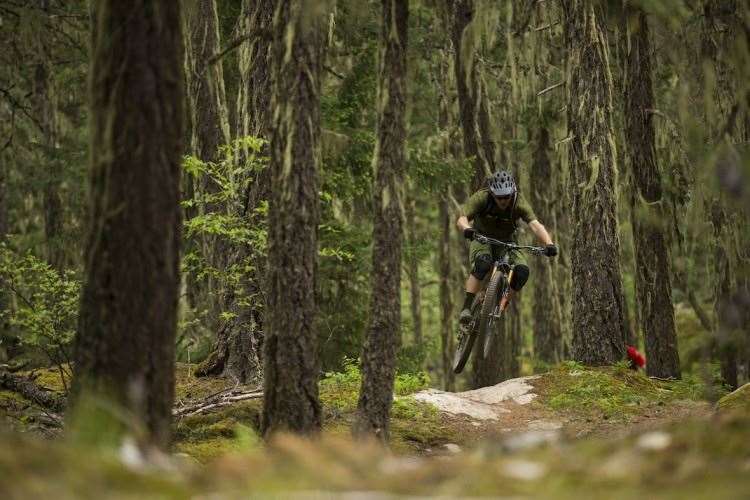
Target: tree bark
597, 308
239, 346
548, 319
45, 111
124, 350
493, 368
291, 362
210, 131
447, 315
653, 286
412, 271
384, 335
472, 103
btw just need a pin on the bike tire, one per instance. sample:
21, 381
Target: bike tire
491, 296
465, 343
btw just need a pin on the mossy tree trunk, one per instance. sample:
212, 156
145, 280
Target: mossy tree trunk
291, 363
210, 130
597, 290
445, 253
238, 350
652, 272
124, 349
384, 333
472, 103
412, 270
548, 318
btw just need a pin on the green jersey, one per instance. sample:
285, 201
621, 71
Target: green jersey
490, 220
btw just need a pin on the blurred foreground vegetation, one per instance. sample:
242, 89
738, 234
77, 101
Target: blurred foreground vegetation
645, 438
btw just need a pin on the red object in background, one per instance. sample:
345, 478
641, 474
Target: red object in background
636, 358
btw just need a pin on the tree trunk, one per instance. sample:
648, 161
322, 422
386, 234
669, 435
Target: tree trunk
238, 350
725, 343
447, 327
412, 271
45, 111
291, 363
384, 336
515, 337
237, 353
494, 368
548, 320
597, 308
210, 131
445, 255
653, 286
472, 104
128, 317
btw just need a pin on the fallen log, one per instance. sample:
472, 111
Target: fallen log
30, 390
216, 401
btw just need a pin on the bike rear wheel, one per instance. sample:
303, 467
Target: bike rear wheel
466, 341
494, 291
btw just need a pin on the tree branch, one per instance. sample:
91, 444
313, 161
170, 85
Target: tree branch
256, 33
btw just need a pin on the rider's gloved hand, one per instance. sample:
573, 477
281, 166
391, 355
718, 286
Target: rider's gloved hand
550, 250
469, 233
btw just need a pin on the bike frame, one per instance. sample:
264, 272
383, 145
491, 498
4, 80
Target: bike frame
503, 263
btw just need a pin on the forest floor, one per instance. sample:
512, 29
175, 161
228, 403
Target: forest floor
574, 431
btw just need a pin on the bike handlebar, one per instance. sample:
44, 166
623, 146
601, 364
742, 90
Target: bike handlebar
512, 246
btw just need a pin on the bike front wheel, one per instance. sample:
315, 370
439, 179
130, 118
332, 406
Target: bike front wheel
466, 341
495, 289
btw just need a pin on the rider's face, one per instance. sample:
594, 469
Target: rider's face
503, 201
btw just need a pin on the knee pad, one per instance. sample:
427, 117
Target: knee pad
520, 276
482, 265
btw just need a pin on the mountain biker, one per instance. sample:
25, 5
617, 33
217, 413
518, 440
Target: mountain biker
494, 211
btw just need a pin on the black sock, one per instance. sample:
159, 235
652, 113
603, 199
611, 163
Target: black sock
468, 300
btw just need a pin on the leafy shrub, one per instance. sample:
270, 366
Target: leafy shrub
43, 309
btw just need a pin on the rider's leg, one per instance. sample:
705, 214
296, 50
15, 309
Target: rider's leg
481, 263
518, 278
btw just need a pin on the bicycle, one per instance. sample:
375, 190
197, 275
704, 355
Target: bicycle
485, 310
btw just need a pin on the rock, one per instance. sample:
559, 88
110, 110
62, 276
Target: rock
737, 401
484, 403
654, 441
530, 439
525, 470
452, 447
544, 425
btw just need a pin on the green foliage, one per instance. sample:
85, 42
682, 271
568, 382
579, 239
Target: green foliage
219, 213
340, 390
43, 310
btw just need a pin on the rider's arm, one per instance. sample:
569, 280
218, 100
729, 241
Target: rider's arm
463, 223
469, 209
540, 232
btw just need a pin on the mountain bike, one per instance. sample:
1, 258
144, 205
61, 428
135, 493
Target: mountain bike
486, 310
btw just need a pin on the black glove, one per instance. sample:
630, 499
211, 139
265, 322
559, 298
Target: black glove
550, 250
469, 233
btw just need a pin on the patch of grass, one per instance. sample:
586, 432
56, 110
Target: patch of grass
615, 391
413, 423
416, 422
339, 391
